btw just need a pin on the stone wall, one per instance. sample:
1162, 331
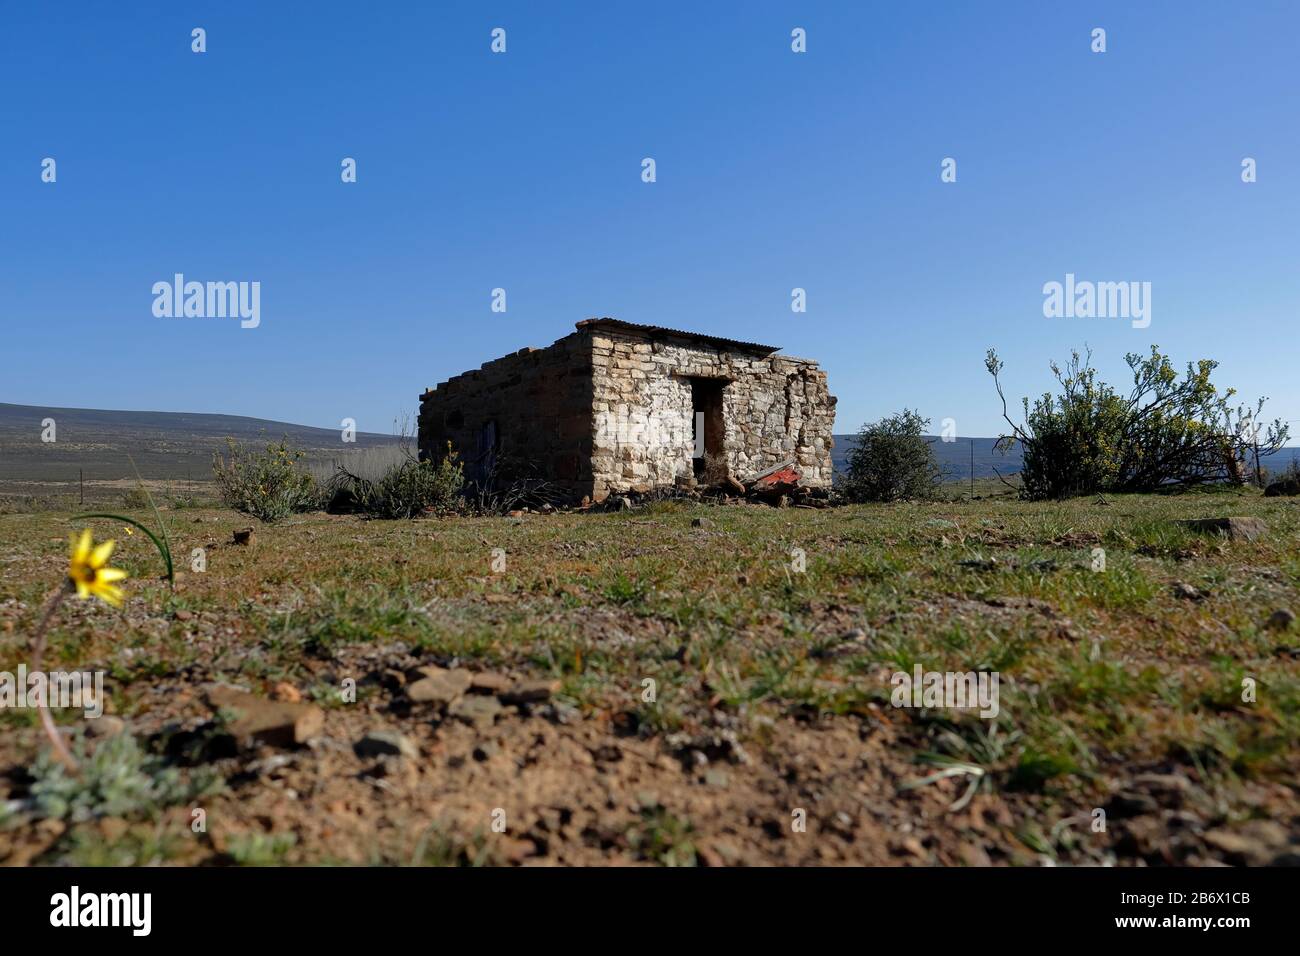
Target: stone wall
608, 410
774, 409
527, 414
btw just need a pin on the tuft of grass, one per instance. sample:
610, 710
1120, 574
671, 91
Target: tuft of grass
141, 845
662, 837
625, 590
260, 849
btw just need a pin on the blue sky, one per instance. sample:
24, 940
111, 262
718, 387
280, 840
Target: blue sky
522, 170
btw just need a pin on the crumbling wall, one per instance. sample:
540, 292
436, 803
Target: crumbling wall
607, 410
775, 409
527, 414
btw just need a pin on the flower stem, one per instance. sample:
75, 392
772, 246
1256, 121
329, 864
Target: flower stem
38, 652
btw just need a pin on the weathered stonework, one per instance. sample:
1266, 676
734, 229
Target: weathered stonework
612, 408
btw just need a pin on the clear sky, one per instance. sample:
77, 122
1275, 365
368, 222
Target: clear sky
523, 171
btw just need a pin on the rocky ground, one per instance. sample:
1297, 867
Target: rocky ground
675, 684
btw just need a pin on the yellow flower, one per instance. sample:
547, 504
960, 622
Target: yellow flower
88, 573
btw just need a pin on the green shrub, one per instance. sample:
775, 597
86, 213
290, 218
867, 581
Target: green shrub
268, 485
137, 499
407, 489
181, 501
117, 780
892, 461
1167, 431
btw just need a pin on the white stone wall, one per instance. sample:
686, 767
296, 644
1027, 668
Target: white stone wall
606, 410
775, 408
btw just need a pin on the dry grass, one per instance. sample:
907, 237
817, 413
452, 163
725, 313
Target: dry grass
1104, 675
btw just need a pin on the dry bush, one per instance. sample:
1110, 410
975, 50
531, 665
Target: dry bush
268, 485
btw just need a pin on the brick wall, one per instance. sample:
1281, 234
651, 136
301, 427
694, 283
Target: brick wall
530, 412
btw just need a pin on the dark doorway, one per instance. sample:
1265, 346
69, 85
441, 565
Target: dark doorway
706, 411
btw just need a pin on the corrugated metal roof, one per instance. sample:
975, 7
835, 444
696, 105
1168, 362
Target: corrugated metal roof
657, 330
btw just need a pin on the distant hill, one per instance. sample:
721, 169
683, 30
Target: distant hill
171, 445
955, 457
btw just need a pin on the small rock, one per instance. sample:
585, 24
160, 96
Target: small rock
708, 856
908, 845
1171, 786
268, 766
515, 851
439, 686
391, 770
972, 854
717, 777
559, 712
183, 615
286, 692
530, 691
1244, 529
386, 743
488, 682
1253, 844
104, 726
478, 711
277, 723
1131, 803
1280, 620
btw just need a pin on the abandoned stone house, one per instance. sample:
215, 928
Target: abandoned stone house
616, 407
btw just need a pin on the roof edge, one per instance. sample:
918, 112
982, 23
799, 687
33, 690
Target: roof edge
658, 331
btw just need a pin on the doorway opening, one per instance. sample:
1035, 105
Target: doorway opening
709, 451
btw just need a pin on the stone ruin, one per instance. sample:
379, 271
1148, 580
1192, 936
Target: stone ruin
615, 407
